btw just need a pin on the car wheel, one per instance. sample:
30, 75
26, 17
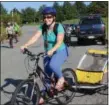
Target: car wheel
103, 40
79, 41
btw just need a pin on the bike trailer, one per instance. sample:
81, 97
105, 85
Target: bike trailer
92, 68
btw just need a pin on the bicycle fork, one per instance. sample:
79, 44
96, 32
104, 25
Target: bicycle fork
32, 93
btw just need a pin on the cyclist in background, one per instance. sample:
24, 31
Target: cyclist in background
16, 30
10, 33
54, 46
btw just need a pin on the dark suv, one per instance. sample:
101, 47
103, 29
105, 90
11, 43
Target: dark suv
91, 27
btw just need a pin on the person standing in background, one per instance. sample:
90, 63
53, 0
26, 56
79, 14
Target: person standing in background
16, 30
10, 33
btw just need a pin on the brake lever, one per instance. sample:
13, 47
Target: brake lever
44, 55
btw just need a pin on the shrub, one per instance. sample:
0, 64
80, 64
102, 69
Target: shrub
3, 35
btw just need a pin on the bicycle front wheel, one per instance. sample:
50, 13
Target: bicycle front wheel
26, 93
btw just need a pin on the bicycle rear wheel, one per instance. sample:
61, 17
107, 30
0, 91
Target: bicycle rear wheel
27, 93
66, 95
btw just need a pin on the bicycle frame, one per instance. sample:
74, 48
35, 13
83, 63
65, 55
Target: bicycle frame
49, 92
38, 71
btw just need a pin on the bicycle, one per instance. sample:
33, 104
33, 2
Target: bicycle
28, 91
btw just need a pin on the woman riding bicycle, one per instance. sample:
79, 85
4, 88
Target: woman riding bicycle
54, 46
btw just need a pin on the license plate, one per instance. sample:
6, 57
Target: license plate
83, 32
91, 37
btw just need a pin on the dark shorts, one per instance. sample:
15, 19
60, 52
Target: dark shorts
10, 35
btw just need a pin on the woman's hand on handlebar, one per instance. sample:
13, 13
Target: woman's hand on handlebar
50, 53
22, 48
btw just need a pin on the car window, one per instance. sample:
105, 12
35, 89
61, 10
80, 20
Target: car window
90, 21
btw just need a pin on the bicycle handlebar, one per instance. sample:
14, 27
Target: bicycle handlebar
26, 51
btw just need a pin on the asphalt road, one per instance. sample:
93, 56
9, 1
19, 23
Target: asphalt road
13, 69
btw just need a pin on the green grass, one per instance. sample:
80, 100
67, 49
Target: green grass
73, 21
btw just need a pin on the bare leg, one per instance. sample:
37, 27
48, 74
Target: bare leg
16, 37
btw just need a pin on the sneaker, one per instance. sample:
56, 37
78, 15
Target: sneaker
60, 84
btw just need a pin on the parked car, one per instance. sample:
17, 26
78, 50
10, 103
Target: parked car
73, 28
91, 27
68, 29
68, 32
66, 26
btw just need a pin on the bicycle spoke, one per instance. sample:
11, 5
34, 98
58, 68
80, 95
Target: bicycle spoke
27, 94
23, 99
64, 95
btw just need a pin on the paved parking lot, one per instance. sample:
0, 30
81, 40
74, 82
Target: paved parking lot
13, 69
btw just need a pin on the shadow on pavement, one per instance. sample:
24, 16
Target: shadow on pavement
11, 81
84, 92
7, 103
2, 46
86, 43
49, 103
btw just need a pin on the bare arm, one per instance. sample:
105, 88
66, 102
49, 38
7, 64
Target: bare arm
32, 40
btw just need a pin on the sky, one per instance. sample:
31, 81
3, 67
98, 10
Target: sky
22, 5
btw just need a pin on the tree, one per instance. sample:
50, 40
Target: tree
81, 8
28, 14
98, 7
59, 12
39, 13
74, 11
37, 18
15, 11
16, 16
67, 10
2, 9
41, 8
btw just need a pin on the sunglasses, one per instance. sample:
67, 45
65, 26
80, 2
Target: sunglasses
48, 17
